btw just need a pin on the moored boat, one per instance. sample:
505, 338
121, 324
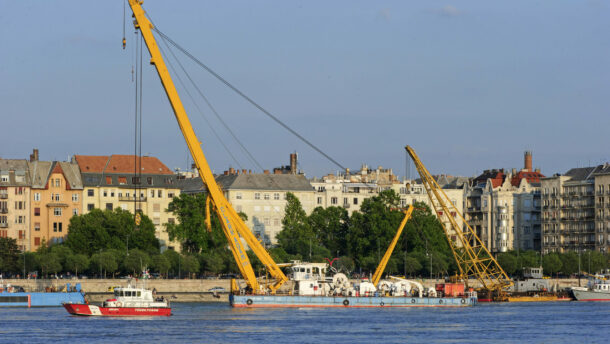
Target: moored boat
15, 296
127, 301
598, 291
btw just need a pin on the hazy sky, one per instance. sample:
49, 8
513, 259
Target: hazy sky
469, 84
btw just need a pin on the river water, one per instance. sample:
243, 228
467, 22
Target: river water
550, 322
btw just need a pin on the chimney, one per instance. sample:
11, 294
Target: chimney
277, 171
226, 173
244, 171
231, 171
527, 166
293, 163
34, 155
266, 171
249, 171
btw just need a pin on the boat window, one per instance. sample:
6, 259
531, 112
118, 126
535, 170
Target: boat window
116, 293
121, 293
308, 270
139, 293
302, 269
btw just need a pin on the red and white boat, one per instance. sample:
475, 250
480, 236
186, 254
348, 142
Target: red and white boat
127, 301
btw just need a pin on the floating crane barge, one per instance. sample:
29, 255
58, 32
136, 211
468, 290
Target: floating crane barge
312, 287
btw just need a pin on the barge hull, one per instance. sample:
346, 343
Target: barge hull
275, 301
35, 299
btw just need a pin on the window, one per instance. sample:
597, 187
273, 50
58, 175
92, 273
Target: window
37, 196
267, 221
4, 178
171, 220
74, 197
159, 193
74, 211
333, 200
257, 208
58, 182
276, 196
149, 181
57, 211
276, 222
90, 192
276, 209
54, 226
105, 193
36, 211
267, 196
20, 219
238, 208
90, 206
3, 234
21, 234
319, 200
345, 201
57, 197
355, 200
152, 193
267, 208
111, 193
37, 226
170, 195
37, 241
109, 180
108, 206
156, 221
122, 180
257, 195
238, 195
135, 180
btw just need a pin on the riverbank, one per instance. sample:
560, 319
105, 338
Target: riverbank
179, 290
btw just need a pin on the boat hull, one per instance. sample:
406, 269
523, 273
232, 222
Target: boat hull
587, 295
39, 299
278, 301
83, 309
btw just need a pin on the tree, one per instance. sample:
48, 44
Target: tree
411, 265
173, 258
569, 263
508, 262
190, 228
136, 261
330, 226
48, 262
110, 229
551, 263
77, 262
9, 255
345, 264
190, 264
161, 264
104, 262
62, 252
297, 236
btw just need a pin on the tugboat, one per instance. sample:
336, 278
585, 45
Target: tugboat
598, 290
127, 301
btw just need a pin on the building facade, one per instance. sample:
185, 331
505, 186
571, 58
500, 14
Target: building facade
56, 196
111, 182
15, 201
576, 211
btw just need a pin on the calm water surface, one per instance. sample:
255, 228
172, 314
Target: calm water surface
559, 322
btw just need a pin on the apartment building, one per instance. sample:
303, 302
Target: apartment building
576, 210
503, 208
111, 182
14, 201
56, 196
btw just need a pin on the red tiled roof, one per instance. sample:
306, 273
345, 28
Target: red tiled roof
532, 177
120, 164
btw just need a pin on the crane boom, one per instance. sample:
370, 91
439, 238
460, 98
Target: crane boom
233, 226
388, 252
472, 257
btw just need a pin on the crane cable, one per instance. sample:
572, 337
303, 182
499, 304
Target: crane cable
228, 84
251, 157
197, 105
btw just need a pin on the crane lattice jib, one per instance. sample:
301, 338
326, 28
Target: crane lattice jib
388, 253
232, 225
471, 255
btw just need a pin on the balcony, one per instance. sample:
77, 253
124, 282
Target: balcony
3, 195
3, 224
3, 210
132, 199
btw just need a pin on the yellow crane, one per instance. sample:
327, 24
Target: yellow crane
472, 257
388, 252
233, 226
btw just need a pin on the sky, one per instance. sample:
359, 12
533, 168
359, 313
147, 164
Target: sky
470, 85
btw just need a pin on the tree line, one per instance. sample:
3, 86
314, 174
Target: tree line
107, 243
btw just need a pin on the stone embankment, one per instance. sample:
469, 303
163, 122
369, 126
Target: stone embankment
181, 290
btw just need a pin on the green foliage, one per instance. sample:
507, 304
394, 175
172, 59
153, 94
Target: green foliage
508, 262
190, 264
76, 262
551, 263
49, 262
110, 229
161, 264
9, 255
345, 264
411, 265
136, 261
104, 262
569, 263
190, 228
